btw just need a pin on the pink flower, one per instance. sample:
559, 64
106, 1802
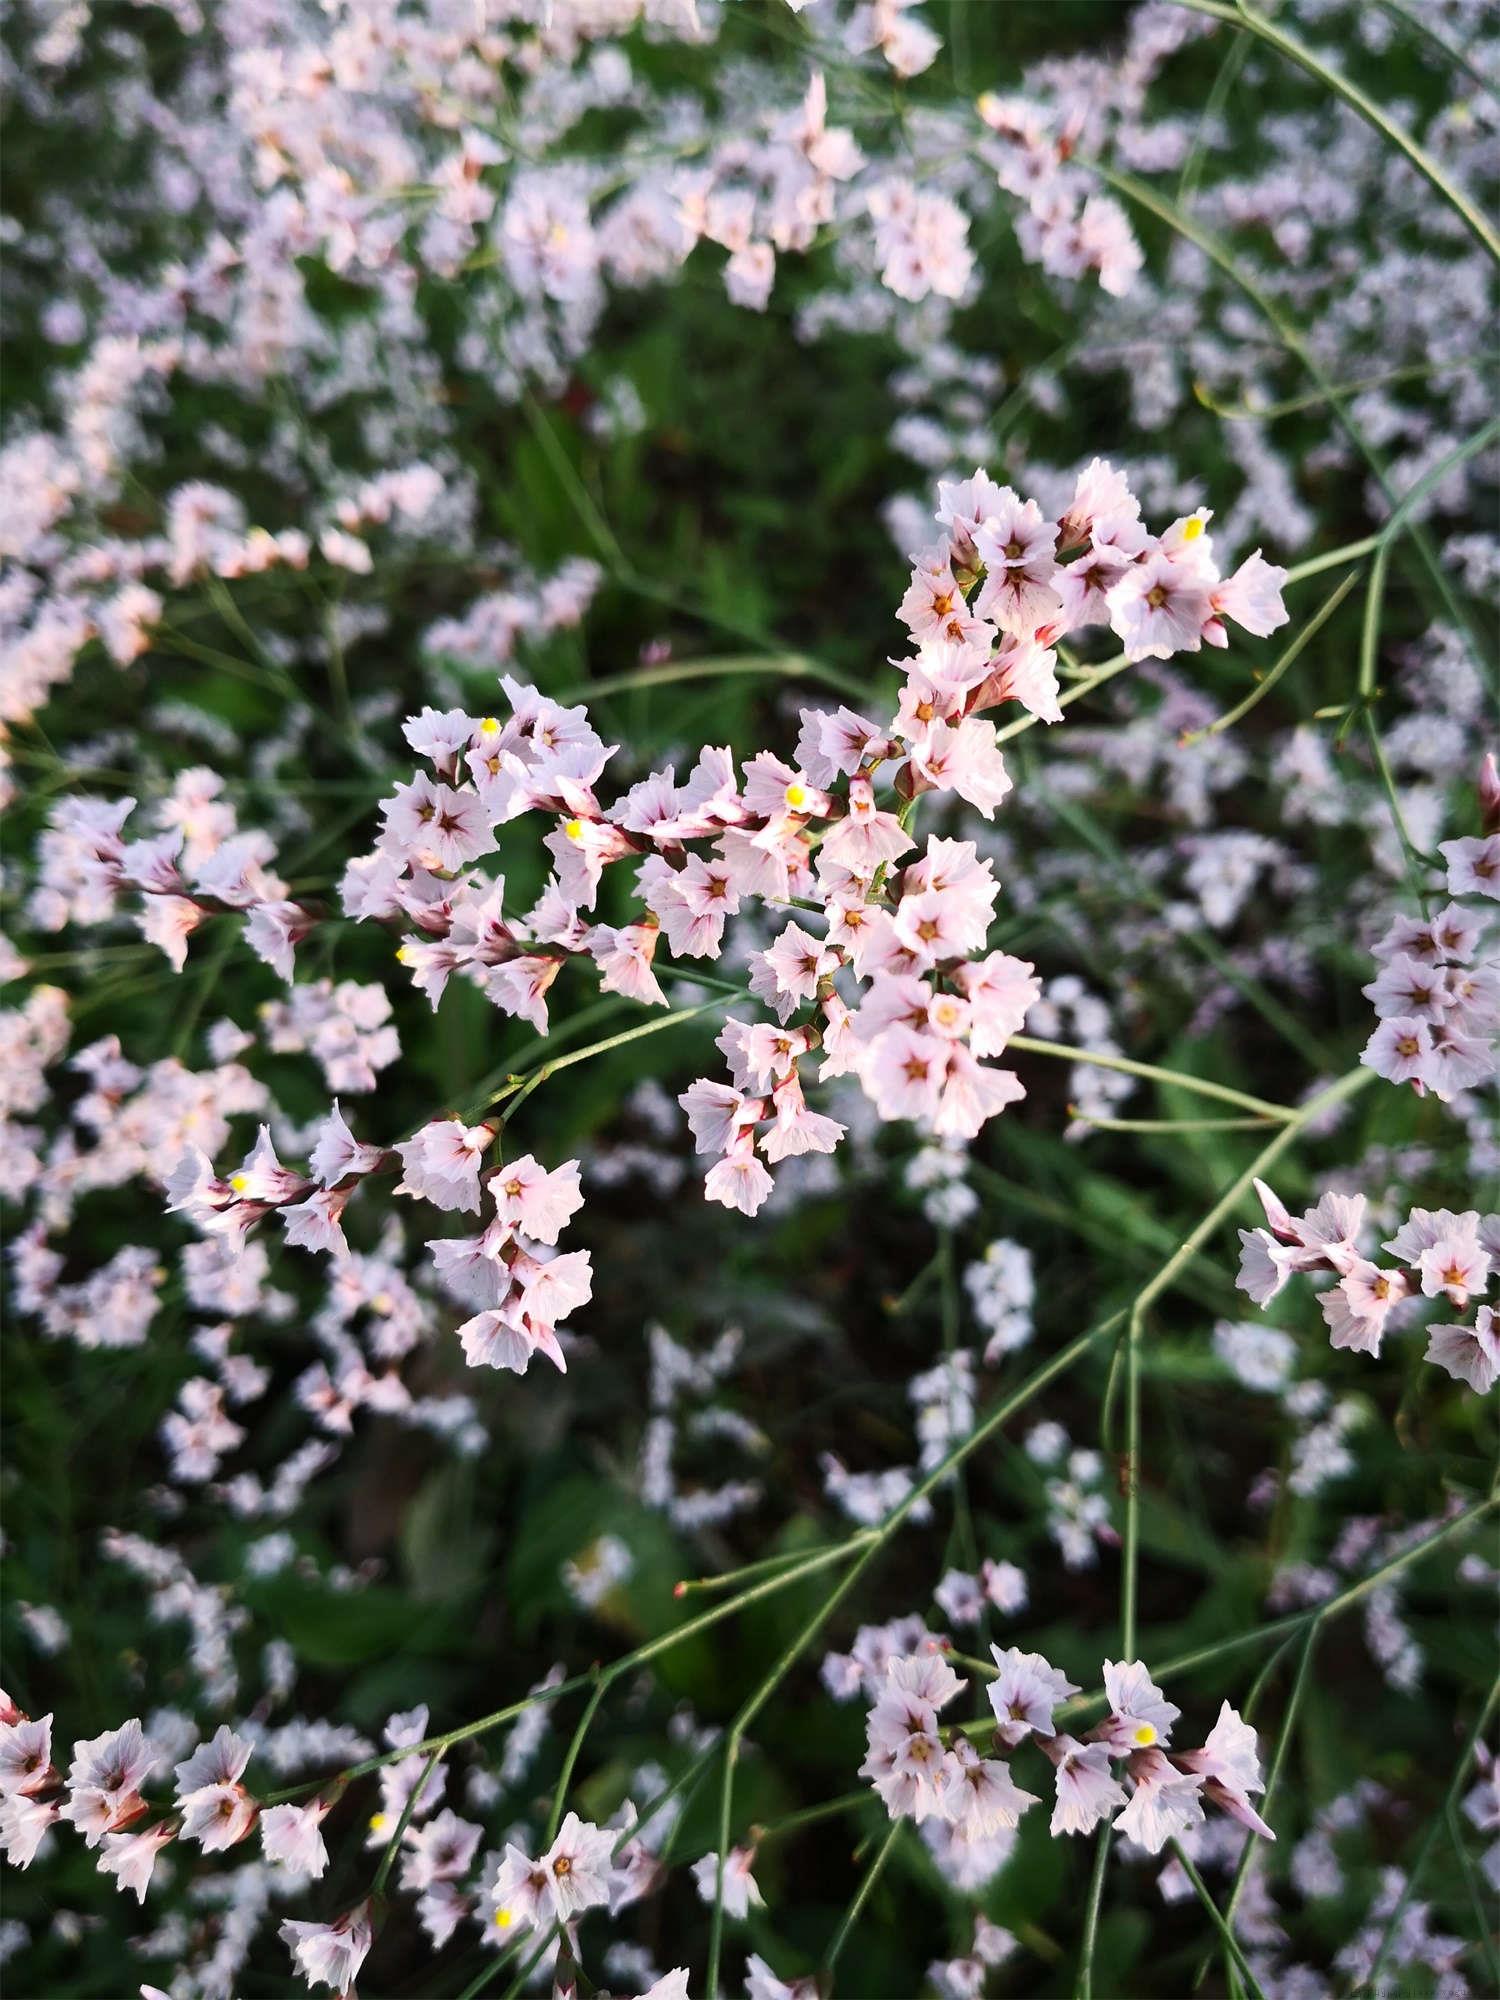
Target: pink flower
1000, 990
577, 1866
716, 1112
24, 1824
1469, 1354
741, 1892
337, 1154
1229, 1763
963, 758
1400, 1050
25, 1756
441, 1164
904, 1073
866, 837
972, 1092
331, 1954
104, 1781
1454, 1265
535, 1201
1251, 597
624, 961
521, 1891
1158, 608
1164, 1802
1024, 1694
1140, 1714
1087, 1790
795, 964
130, 1857
293, 1836
980, 1796
1473, 866
798, 1130
1359, 1305
217, 1811
739, 1180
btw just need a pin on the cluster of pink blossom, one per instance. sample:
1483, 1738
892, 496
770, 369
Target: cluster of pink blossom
1438, 991
923, 1768
1440, 1256
104, 1797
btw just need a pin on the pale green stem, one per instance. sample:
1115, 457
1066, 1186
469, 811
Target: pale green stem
1375, 596
664, 1643
1295, 344
1435, 1826
1095, 1904
1130, 1546
1273, 1776
1244, 16
519, 1088
413, 1800
1171, 1124
790, 666
1289, 406
1444, 49
565, 1775
1006, 1408
861, 1896
1258, 693
1064, 1051
1231, 1942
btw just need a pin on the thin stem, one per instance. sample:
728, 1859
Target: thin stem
1300, 1685
1435, 1825
790, 666
519, 1088
1169, 1124
1231, 1942
1241, 15
811, 1815
1085, 1986
1065, 1052
765, 1566
1375, 595
1130, 1549
861, 1896
1264, 686
565, 1776
413, 1799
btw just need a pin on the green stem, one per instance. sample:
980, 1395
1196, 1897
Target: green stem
1065, 1052
861, 1896
1231, 1942
565, 1776
413, 1799
1434, 1828
1241, 15
1085, 1986
1264, 686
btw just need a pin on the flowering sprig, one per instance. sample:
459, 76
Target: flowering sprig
1440, 1256
920, 1775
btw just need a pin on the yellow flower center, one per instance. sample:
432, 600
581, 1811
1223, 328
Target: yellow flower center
1191, 530
239, 1182
377, 1822
574, 829
1144, 1734
488, 726
796, 796
503, 1920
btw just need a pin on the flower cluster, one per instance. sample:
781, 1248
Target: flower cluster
1439, 1255
919, 1774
